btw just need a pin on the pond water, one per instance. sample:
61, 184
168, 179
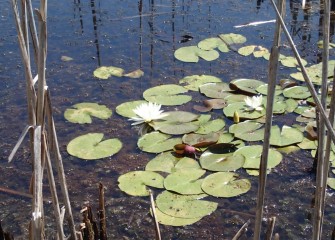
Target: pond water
144, 34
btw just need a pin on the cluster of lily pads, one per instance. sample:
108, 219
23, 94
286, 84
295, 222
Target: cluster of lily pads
197, 154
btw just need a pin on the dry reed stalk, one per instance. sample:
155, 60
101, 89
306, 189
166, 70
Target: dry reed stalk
32, 28
273, 68
242, 230
153, 210
102, 213
271, 226
322, 161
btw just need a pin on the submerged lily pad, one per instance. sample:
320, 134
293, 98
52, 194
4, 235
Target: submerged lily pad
105, 72
185, 181
169, 95
184, 206
225, 184
135, 183
156, 142
90, 146
82, 112
192, 54
246, 85
195, 81
127, 109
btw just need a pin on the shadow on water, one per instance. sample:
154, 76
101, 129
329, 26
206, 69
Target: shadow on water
144, 35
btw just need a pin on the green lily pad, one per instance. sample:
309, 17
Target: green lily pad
83, 112
331, 182
135, 183
221, 162
185, 181
289, 61
263, 89
210, 104
163, 162
225, 184
215, 90
297, 92
195, 81
287, 136
212, 43
169, 95
291, 105
134, 74
156, 142
195, 138
308, 144
248, 131
192, 54
246, 85
186, 163
105, 72
225, 137
233, 98
184, 206
165, 219
211, 126
90, 146
257, 51
126, 109
242, 111
232, 38
252, 156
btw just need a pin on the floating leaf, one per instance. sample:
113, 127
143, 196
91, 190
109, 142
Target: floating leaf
105, 72
194, 138
82, 112
169, 94
246, 85
156, 142
192, 54
331, 182
126, 109
260, 52
287, 136
308, 144
246, 50
210, 104
135, 74
248, 131
263, 89
242, 111
163, 162
291, 62
286, 83
215, 90
195, 81
291, 105
225, 184
211, 126
211, 43
135, 183
165, 219
66, 58
297, 92
184, 206
186, 163
185, 181
90, 146
232, 38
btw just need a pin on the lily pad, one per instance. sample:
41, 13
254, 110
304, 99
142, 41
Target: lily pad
165, 219
169, 95
90, 146
215, 90
185, 181
192, 54
289, 61
163, 162
287, 136
263, 89
195, 138
212, 43
83, 112
134, 74
248, 131
242, 111
211, 126
225, 184
246, 85
126, 109
297, 92
184, 206
232, 38
331, 182
135, 183
156, 142
105, 72
186, 163
195, 81
257, 51
210, 104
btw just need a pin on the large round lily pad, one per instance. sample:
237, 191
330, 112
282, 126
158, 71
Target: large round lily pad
212, 43
127, 109
232, 38
192, 54
297, 92
225, 184
246, 85
211, 126
169, 95
184, 206
215, 90
163, 162
165, 219
248, 131
134, 183
242, 110
195, 81
90, 146
185, 181
156, 142
287, 136
83, 112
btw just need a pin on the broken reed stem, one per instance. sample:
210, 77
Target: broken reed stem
271, 226
273, 68
242, 230
102, 213
322, 161
153, 209
32, 27
305, 75
59, 163
53, 190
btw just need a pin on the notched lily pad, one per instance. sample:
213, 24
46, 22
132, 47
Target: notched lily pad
135, 183
215, 90
156, 142
83, 112
192, 54
90, 146
246, 85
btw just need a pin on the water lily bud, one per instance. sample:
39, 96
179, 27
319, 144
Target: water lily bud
236, 117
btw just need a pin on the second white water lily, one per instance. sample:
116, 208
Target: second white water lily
147, 112
254, 103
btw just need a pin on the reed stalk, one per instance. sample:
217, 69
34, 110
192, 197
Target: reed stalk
153, 210
242, 230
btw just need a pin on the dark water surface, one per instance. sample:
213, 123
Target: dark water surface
144, 34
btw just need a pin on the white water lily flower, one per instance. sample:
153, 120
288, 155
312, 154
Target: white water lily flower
254, 103
147, 112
